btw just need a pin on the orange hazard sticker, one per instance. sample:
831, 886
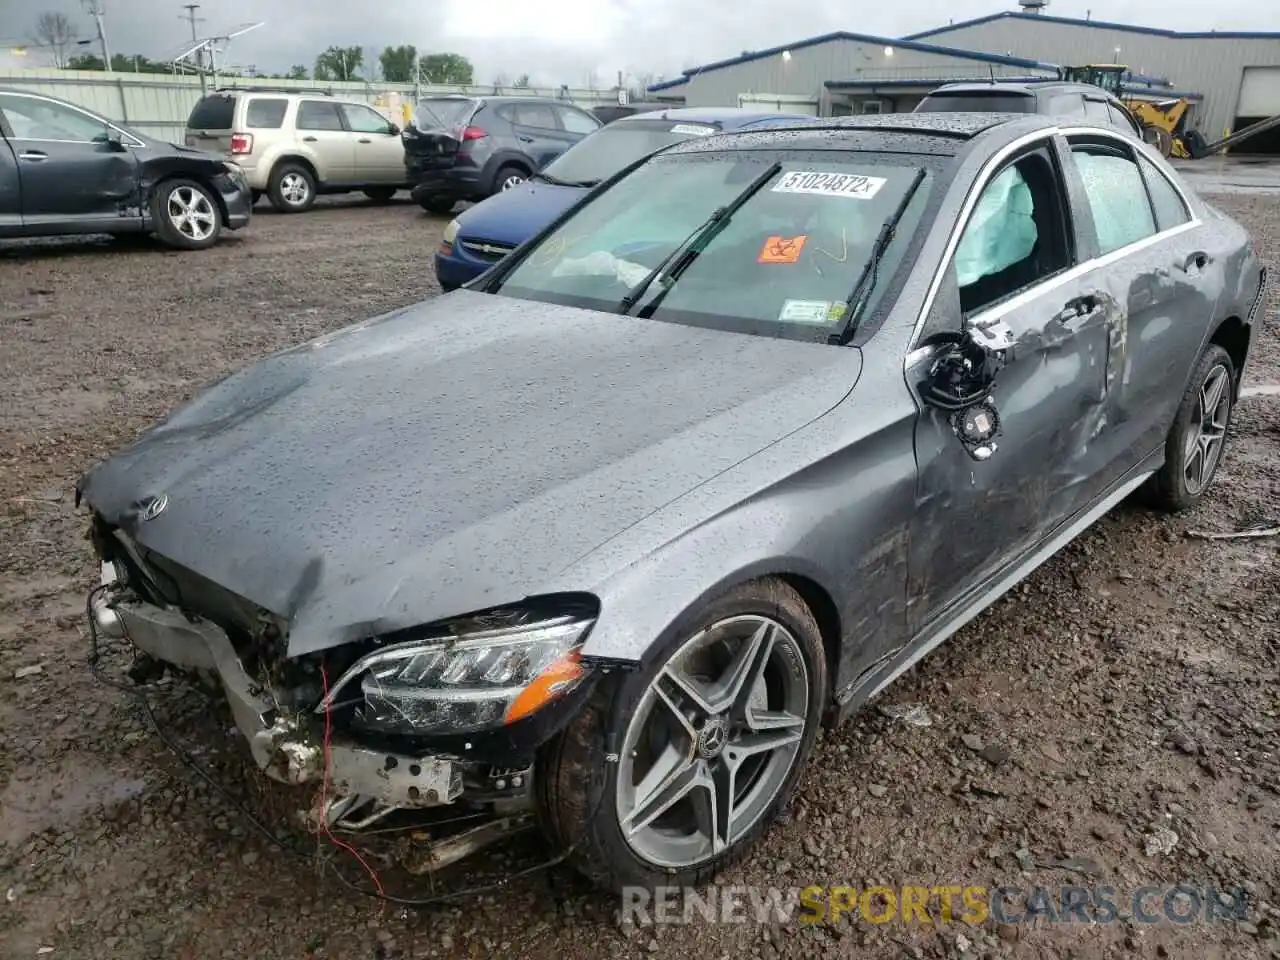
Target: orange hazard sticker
781, 250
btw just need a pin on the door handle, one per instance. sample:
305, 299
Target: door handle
364, 140
35, 156
308, 139
523, 139
1199, 260
1077, 311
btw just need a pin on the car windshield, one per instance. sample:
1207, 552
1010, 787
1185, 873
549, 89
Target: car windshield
443, 113
977, 103
781, 241
605, 152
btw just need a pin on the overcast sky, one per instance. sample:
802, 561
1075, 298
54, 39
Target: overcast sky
564, 41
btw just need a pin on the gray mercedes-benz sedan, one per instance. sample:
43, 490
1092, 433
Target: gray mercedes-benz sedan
600, 540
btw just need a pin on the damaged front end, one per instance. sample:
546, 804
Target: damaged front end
448, 715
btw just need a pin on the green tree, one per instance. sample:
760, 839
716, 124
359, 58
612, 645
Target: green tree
522, 80
120, 63
398, 62
446, 68
296, 72
339, 63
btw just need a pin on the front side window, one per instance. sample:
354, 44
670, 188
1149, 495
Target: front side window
1117, 195
33, 118
1016, 236
364, 119
786, 262
575, 121
318, 115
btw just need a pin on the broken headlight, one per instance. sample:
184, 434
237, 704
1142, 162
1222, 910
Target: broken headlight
474, 681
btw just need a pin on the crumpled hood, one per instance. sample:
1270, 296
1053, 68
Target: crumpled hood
450, 456
515, 215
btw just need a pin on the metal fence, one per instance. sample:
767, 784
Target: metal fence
158, 104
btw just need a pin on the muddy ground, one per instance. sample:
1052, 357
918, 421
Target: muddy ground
1124, 696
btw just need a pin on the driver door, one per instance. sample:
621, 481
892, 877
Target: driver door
71, 177
981, 506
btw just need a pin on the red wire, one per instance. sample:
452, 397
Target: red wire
324, 783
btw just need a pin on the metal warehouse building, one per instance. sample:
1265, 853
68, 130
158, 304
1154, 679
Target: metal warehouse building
1232, 79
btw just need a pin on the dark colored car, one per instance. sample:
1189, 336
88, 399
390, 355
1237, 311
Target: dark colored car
481, 236
66, 170
469, 148
1050, 98
606, 537
609, 112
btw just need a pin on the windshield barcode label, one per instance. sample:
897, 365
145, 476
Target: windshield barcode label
830, 184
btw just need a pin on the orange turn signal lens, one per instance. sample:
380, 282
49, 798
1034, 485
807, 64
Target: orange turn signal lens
556, 679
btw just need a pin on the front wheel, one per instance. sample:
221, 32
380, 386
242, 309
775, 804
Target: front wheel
711, 738
510, 177
185, 215
1193, 450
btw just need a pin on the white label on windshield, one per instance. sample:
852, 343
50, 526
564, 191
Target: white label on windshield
830, 184
806, 311
692, 129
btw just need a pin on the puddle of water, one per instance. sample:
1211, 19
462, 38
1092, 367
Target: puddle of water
60, 797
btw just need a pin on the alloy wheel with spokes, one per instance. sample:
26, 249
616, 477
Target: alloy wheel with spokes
191, 212
712, 741
1208, 433
294, 188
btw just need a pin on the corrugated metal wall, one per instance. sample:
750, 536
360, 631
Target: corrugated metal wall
810, 67
158, 105
1210, 66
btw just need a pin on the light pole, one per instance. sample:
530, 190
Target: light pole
95, 10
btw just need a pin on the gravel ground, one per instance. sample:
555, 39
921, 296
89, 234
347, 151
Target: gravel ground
1123, 696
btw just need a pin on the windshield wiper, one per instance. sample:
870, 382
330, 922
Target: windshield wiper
691, 246
557, 182
871, 271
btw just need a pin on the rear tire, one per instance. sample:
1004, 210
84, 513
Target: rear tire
185, 215
437, 205
603, 771
1193, 451
380, 194
292, 188
508, 177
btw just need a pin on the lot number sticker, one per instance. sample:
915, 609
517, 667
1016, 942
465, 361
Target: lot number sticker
822, 184
806, 311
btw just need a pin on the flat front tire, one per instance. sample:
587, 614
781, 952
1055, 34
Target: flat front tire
710, 741
1194, 447
185, 215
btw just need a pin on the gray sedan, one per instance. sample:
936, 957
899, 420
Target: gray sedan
601, 540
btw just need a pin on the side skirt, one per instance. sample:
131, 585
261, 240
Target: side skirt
879, 677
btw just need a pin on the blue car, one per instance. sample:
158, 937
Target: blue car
487, 232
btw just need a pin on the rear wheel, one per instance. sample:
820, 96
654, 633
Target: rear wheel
380, 194
710, 741
1193, 450
439, 205
292, 188
510, 176
185, 215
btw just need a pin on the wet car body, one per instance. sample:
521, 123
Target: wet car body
66, 186
486, 463
482, 235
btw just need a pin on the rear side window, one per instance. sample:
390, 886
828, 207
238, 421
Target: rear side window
1097, 110
265, 113
214, 112
318, 115
1121, 118
538, 115
1117, 196
1170, 210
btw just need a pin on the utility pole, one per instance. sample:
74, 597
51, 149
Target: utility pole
95, 10
191, 9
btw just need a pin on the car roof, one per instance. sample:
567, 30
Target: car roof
939, 134
725, 116
1028, 88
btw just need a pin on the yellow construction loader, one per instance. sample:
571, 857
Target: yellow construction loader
1163, 122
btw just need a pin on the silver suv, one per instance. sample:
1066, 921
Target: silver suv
296, 145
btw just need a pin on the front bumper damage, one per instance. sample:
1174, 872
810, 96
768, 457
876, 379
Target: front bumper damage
366, 782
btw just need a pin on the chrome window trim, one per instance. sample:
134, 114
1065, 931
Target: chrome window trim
127, 138
984, 178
